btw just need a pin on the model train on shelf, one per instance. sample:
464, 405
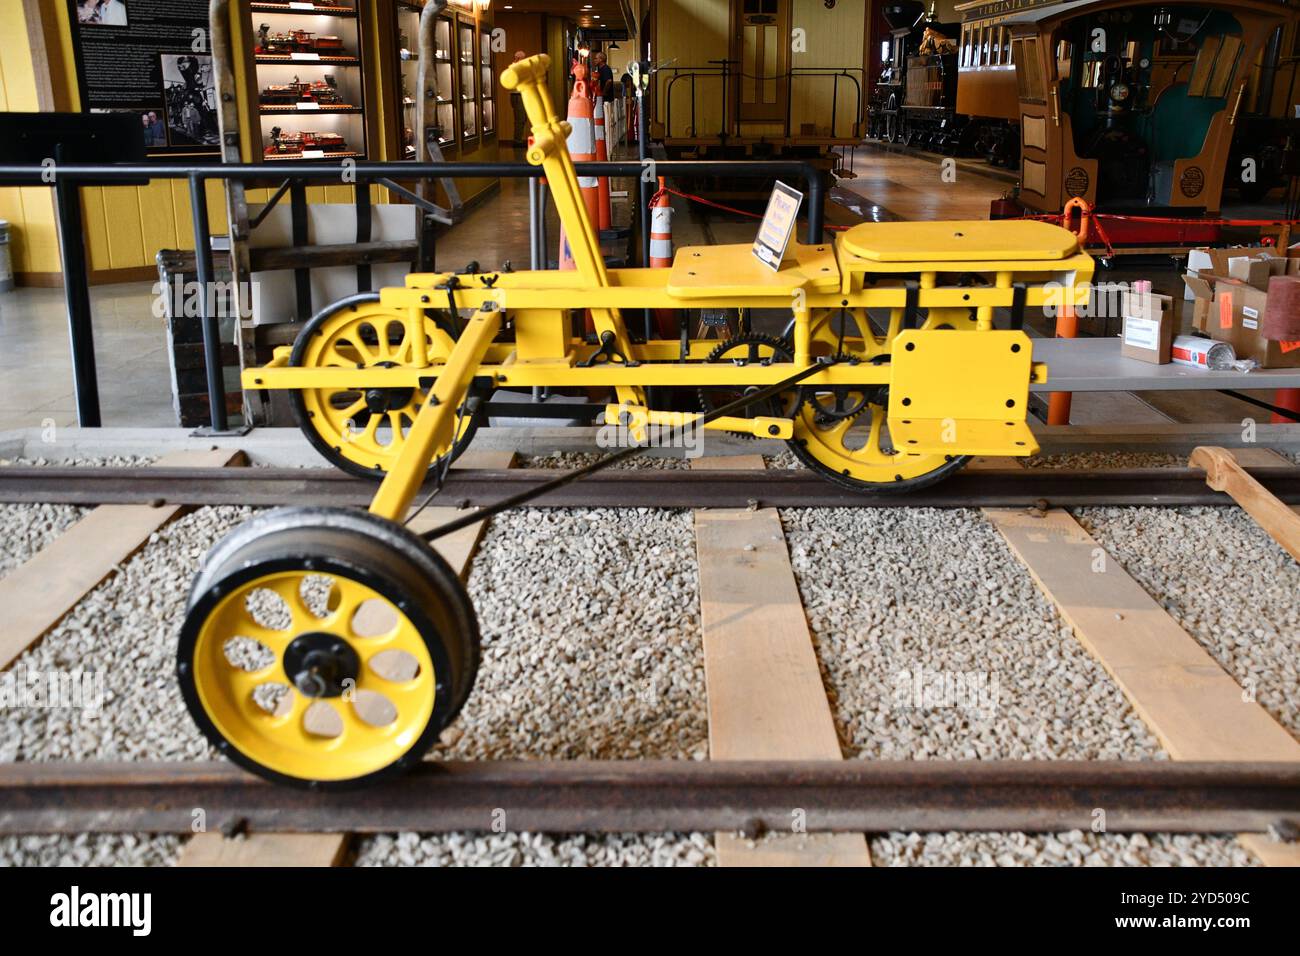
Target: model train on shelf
318, 6
1132, 106
304, 141
296, 41
324, 92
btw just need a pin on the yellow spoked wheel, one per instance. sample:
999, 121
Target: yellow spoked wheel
325, 648
842, 432
363, 431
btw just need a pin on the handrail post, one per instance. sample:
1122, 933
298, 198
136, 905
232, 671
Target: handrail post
211, 330
76, 293
815, 200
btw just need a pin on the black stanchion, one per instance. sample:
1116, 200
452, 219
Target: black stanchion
76, 292
208, 321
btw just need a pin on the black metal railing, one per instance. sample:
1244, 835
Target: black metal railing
720, 80
64, 179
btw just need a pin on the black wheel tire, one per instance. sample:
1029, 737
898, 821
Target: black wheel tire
954, 464
303, 419
384, 555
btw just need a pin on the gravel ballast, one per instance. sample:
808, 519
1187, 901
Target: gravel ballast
935, 644
125, 632
1226, 582
591, 650
933, 641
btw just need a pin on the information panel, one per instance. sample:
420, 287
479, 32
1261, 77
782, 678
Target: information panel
151, 58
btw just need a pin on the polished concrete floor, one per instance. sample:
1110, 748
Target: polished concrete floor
35, 367
36, 387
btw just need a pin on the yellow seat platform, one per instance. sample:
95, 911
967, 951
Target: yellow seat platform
719, 272
960, 241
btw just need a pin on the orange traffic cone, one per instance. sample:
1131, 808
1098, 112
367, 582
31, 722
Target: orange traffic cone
605, 218
582, 142
661, 229
661, 252
1288, 398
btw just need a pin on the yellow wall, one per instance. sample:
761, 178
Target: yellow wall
125, 225
29, 210
834, 39
692, 32
143, 219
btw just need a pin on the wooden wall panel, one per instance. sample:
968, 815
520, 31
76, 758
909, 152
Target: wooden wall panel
693, 33
834, 39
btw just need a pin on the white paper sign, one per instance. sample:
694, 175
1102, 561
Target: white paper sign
313, 154
308, 106
308, 57
777, 226
1142, 333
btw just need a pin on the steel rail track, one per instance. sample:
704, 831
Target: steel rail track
628, 488
664, 795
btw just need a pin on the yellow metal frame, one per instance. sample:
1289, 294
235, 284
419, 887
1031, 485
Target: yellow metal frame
866, 269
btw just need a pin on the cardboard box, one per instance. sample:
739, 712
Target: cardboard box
1225, 262
1256, 269
1238, 311
1200, 289
1148, 329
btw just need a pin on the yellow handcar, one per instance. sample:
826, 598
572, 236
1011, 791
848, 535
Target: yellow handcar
329, 647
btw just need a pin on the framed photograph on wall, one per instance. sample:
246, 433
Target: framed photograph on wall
150, 58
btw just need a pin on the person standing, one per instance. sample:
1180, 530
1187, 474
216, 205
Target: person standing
603, 76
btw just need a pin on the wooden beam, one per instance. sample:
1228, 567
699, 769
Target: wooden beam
38, 593
265, 849
1224, 473
1180, 691
331, 849
765, 694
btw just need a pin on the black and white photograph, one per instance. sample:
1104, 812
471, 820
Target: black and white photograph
191, 100
102, 13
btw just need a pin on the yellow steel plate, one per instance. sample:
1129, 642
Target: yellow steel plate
1016, 240
712, 272
965, 436
961, 393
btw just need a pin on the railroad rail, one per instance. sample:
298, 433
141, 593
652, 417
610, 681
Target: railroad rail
666, 795
630, 488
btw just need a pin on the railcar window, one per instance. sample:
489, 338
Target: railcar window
1029, 79
1064, 59
1224, 66
1006, 45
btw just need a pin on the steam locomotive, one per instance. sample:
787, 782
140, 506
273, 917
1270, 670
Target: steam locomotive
936, 94
296, 143
1130, 105
295, 41
324, 91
